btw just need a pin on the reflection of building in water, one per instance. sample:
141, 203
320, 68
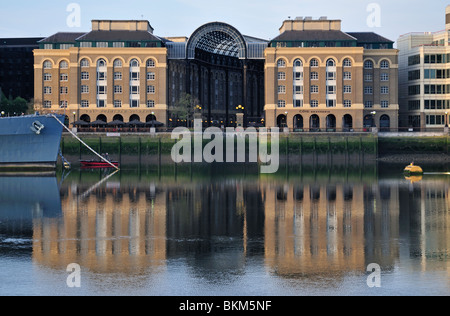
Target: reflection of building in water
316, 228
300, 227
425, 220
115, 228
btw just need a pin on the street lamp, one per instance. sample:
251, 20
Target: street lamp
153, 119
446, 119
2, 114
74, 116
373, 118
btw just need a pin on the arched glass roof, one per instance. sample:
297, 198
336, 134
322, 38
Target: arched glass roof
217, 38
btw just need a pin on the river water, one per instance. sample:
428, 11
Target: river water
201, 230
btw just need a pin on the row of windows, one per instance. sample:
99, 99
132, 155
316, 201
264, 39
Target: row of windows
429, 89
435, 119
368, 64
101, 103
429, 74
84, 63
429, 59
101, 90
368, 77
332, 89
332, 103
101, 76
414, 105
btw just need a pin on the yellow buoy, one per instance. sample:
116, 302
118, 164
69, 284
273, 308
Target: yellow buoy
413, 169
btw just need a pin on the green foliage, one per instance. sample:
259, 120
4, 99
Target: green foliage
185, 107
15, 107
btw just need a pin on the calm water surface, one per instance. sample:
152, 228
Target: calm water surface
225, 230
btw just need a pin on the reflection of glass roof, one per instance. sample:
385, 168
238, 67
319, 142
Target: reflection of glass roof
218, 38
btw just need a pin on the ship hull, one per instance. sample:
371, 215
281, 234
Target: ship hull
23, 146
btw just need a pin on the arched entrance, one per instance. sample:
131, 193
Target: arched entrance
298, 123
281, 121
347, 123
102, 118
135, 117
368, 121
385, 123
85, 118
118, 117
331, 123
150, 118
314, 123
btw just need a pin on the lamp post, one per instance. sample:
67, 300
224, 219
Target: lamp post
446, 119
2, 113
240, 116
74, 117
153, 119
373, 118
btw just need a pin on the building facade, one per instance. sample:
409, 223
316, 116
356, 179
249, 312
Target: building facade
115, 72
313, 77
319, 78
424, 78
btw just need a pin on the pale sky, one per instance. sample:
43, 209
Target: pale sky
258, 18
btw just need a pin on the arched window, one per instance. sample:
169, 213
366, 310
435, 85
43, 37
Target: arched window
134, 63
63, 65
84, 63
331, 62
101, 63
368, 64
298, 63
151, 63
384, 64
347, 62
48, 64
281, 63
117, 63
314, 63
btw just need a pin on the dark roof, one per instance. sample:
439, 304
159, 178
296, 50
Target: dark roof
62, 37
312, 35
29, 41
118, 36
369, 37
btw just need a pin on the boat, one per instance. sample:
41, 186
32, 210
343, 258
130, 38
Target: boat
30, 141
412, 169
98, 164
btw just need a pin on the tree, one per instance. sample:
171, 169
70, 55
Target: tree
10, 107
184, 108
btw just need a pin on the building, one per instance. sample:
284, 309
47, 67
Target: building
311, 77
424, 78
16, 66
319, 78
122, 71
118, 71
